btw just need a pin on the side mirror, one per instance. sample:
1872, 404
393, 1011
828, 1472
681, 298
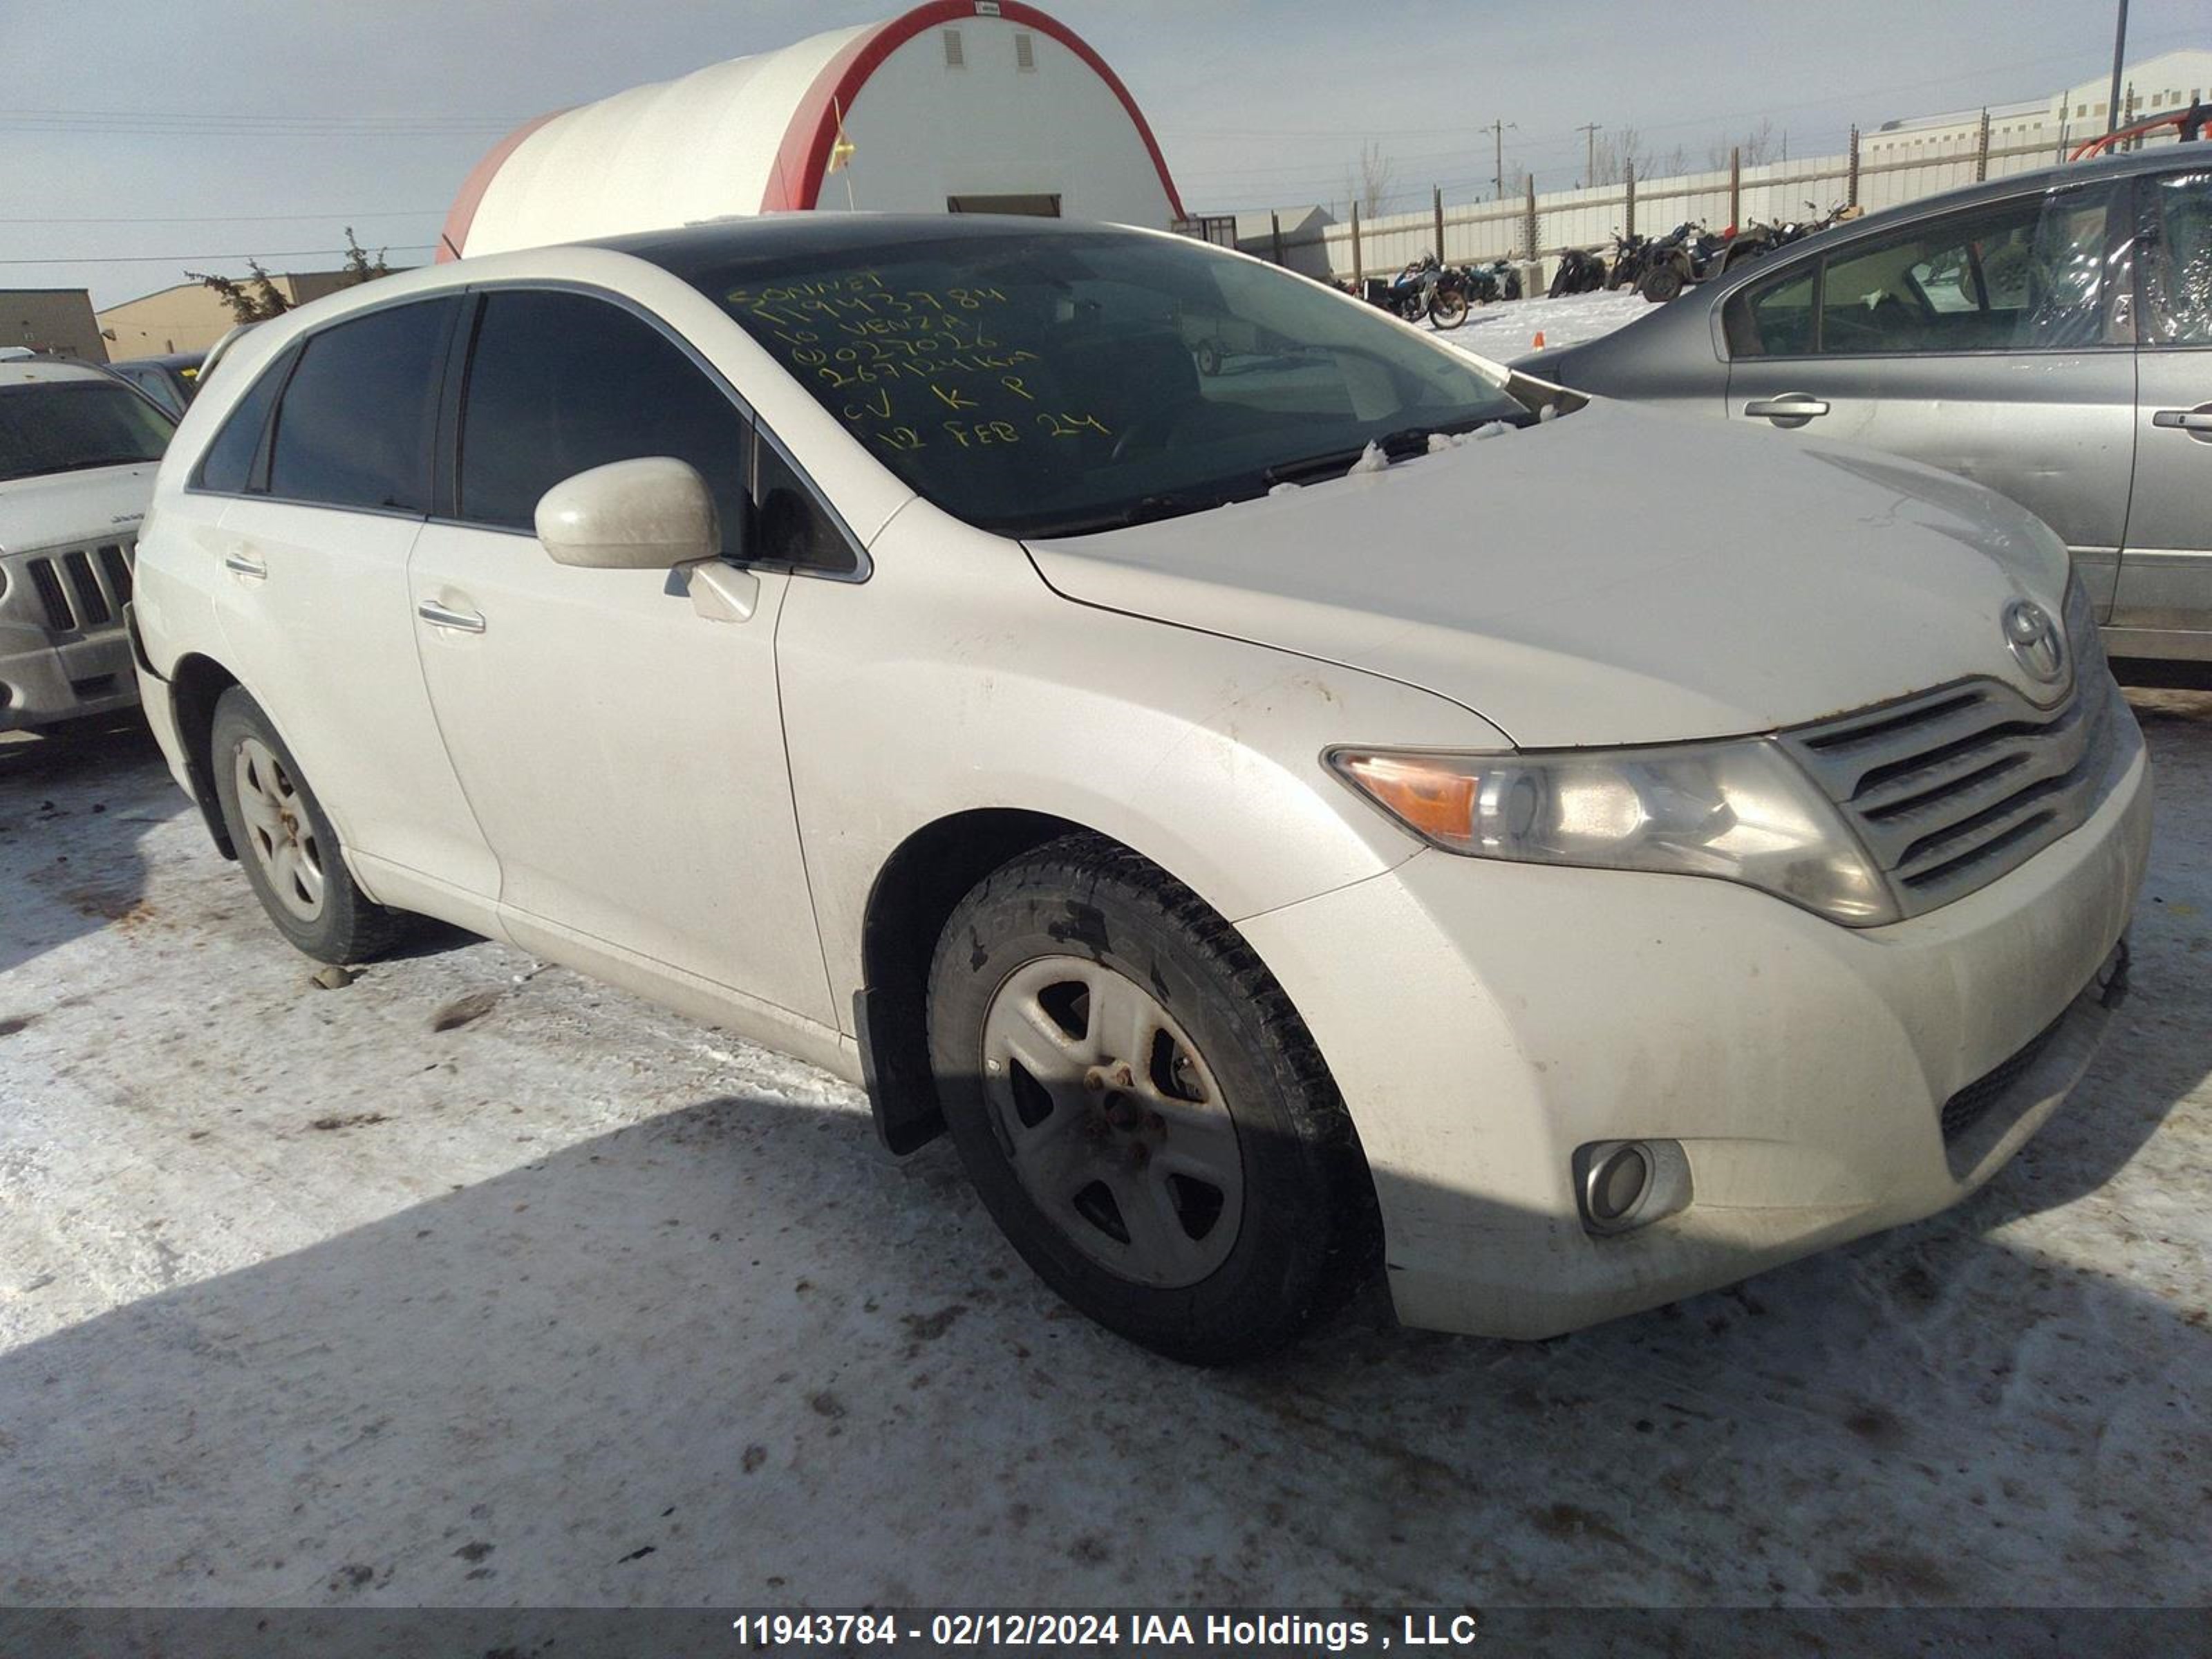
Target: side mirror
645, 514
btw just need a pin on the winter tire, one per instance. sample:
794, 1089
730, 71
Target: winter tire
1140, 1109
291, 856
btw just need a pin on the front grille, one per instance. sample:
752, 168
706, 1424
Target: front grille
91, 603
84, 587
1971, 1104
48, 582
1952, 789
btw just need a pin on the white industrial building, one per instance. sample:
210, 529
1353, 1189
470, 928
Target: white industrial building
974, 106
2037, 132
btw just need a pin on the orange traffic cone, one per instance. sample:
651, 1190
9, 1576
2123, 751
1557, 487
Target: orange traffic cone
1539, 341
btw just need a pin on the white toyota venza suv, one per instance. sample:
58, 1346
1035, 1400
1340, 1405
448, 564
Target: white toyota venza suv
1273, 817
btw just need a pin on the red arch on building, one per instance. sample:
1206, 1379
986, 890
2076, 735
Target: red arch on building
803, 159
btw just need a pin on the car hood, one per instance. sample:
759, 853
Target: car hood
1613, 577
99, 503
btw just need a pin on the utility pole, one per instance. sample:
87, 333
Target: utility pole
1589, 130
2119, 56
1497, 129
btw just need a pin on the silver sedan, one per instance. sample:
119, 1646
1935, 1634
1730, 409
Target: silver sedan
2049, 335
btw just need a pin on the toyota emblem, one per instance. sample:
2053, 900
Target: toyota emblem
2035, 640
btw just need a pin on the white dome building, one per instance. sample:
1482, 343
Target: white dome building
973, 106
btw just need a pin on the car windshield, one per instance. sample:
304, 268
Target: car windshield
63, 426
1059, 383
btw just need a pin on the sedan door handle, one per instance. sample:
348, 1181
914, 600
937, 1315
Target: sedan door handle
1790, 406
243, 564
439, 615
2188, 420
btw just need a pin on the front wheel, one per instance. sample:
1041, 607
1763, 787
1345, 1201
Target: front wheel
1141, 1109
291, 856
1449, 308
1660, 284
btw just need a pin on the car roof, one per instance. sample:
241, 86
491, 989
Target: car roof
2161, 158
799, 236
27, 371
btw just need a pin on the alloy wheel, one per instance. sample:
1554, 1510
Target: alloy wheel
1113, 1121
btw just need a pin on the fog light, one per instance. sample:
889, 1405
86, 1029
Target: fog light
1620, 1185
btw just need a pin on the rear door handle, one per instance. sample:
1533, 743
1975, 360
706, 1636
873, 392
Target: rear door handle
2187, 420
1790, 406
242, 564
439, 615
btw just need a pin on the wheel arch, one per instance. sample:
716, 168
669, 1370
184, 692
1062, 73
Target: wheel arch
196, 686
912, 896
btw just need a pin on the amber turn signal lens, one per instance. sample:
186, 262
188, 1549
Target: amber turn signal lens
1436, 801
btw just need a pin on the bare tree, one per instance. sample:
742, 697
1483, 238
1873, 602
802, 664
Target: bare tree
1615, 152
1372, 188
1759, 145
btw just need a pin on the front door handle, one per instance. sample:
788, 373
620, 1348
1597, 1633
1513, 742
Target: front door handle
243, 564
2196, 422
439, 615
1790, 406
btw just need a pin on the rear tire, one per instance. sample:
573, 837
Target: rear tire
1202, 1195
292, 856
1660, 284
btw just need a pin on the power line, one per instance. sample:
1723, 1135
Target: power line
167, 258
238, 218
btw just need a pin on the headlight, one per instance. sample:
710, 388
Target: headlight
1740, 810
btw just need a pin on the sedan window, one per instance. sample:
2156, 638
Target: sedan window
2029, 275
2178, 264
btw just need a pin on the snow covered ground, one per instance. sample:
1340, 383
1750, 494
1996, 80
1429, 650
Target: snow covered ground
1508, 329
475, 1284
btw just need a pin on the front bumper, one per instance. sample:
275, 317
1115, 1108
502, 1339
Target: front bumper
43, 682
63, 652
1484, 1020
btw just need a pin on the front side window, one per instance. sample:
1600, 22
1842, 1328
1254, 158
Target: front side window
2178, 261
2029, 275
560, 383
354, 426
1041, 384
66, 426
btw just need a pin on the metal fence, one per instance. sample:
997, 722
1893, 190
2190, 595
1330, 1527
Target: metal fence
1538, 227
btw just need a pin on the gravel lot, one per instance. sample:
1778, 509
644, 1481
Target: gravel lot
472, 1283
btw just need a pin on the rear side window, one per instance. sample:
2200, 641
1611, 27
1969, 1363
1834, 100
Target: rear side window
2178, 262
559, 383
354, 426
227, 467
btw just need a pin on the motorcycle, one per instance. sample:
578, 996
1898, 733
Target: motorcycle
1631, 254
1688, 253
1498, 280
1579, 272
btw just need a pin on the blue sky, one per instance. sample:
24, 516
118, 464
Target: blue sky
299, 118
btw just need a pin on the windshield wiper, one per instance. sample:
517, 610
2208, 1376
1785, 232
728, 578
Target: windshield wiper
1142, 511
1406, 441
